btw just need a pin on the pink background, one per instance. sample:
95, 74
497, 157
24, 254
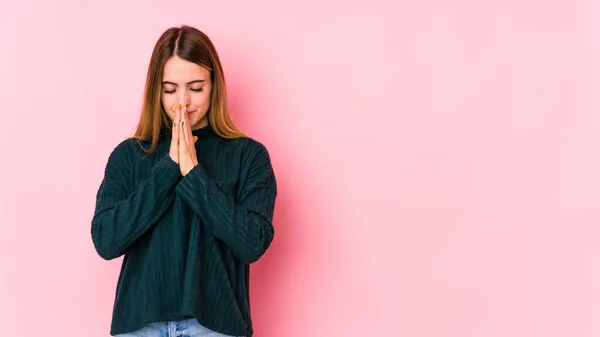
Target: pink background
438, 161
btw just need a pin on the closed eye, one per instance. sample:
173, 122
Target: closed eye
173, 91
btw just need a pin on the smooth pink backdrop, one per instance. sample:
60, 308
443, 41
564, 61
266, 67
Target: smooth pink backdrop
438, 161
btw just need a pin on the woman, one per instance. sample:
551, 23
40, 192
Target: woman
188, 200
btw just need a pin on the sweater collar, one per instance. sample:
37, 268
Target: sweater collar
203, 131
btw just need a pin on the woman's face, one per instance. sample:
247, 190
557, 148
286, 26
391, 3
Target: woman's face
187, 83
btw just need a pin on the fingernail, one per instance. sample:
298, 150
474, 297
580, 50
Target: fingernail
181, 122
176, 106
184, 105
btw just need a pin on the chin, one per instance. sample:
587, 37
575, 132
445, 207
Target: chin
199, 119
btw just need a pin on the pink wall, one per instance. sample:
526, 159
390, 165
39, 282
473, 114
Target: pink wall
437, 160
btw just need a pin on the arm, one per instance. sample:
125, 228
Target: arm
246, 226
120, 217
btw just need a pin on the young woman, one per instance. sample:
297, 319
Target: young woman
188, 200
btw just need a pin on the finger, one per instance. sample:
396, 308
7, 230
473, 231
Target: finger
176, 121
174, 139
184, 116
190, 136
186, 123
195, 139
179, 122
173, 113
185, 133
180, 134
181, 115
184, 113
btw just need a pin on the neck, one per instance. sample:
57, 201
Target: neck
203, 122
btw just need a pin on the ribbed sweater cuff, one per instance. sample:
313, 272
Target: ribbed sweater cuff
193, 184
167, 172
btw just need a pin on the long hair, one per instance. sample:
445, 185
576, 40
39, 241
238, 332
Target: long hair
194, 46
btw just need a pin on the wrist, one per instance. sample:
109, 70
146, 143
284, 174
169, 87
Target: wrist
189, 170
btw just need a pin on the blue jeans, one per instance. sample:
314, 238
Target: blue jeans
184, 328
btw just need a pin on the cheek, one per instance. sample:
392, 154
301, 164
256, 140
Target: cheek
207, 98
203, 100
167, 103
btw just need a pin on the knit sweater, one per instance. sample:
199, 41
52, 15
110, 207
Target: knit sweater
187, 242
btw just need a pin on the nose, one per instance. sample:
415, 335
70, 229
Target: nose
184, 97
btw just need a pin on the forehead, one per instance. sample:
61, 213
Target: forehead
180, 70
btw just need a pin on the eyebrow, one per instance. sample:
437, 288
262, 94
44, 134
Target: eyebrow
195, 81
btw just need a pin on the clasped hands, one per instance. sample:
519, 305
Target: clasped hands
182, 149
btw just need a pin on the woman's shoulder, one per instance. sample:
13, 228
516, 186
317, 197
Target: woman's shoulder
120, 152
127, 148
248, 146
124, 146
252, 153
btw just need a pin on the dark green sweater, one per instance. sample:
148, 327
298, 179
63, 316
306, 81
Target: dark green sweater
188, 241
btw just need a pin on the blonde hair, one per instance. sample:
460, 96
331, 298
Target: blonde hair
192, 45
